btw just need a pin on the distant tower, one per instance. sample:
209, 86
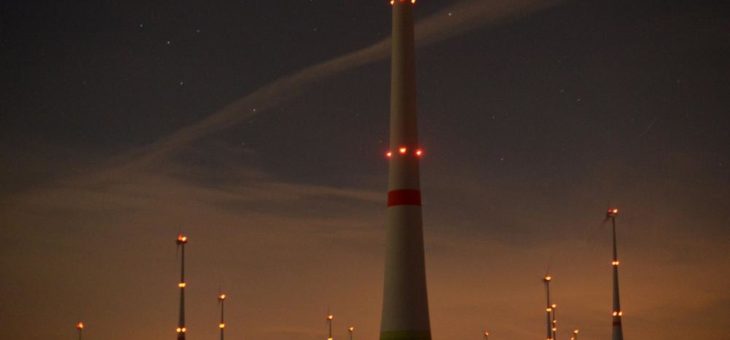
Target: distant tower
575, 335
617, 331
222, 324
405, 301
486, 335
330, 318
80, 328
554, 309
350, 330
181, 329
548, 307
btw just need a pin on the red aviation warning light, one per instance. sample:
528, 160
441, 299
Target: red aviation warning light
182, 239
403, 150
392, 2
80, 328
613, 212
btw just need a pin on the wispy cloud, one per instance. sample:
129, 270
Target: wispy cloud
455, 20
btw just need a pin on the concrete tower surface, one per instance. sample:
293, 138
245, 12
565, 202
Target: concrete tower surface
405, 302
617, 332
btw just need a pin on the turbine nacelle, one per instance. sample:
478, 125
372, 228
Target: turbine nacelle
612, 212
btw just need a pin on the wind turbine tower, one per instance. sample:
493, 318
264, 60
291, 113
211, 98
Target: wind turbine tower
548, 308
80, 328
181, 329
330, 318
405, 301
554, 309
222, 324
617, 331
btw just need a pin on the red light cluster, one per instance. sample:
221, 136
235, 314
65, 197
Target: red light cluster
404, 151
612, 212
393, 1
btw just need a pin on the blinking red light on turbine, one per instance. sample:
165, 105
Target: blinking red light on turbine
403, 150
393, 1
613, 212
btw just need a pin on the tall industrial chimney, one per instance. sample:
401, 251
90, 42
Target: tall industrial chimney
617, 331
405, 301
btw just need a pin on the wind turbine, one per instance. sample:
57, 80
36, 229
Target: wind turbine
222, 324
617, 330
181, 329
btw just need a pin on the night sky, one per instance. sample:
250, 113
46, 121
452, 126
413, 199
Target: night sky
259, 129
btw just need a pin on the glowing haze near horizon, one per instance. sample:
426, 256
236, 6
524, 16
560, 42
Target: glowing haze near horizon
534, 115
